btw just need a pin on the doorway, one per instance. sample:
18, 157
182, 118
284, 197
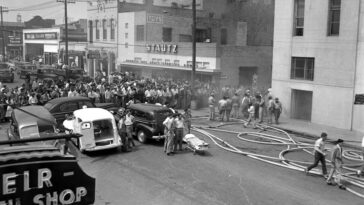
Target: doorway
246, 76
301, 105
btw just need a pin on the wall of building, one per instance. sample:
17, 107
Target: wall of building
234, 57
358, 112
335, 58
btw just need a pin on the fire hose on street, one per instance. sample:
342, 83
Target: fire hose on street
291, 146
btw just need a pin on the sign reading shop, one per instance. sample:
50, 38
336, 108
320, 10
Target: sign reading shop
46, 183
161, 48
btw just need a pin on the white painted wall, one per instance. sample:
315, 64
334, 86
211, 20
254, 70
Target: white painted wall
123, 52
335, 60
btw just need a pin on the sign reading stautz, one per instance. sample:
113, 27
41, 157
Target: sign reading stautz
162, 48
46, 182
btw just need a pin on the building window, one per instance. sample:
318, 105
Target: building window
126, 25
97, 26
334, 17
140, 32
223, 36
126, 35
112, 30
104, 29
302, 68
299, 14
126, 45
167, 34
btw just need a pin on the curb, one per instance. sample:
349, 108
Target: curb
315, 137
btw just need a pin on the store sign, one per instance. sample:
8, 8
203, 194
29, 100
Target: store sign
161, 48
152, 18
46, 182
41, 36
93, 55
14, 40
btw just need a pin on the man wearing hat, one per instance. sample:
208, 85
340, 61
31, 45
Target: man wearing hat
319, 154
336, 162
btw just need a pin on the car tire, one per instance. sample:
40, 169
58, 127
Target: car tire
142, 137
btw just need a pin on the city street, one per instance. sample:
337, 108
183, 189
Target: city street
148, 176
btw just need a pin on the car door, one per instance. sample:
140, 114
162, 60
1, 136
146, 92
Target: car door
59, 112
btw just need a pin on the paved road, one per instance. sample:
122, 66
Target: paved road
148, 176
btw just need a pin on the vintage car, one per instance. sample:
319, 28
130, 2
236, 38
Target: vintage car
6, 74
59, 107
31, 121
149, 119
75, 74
97, 127
47, 72
26, 68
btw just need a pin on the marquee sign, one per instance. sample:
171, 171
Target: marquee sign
162, 48
46, 182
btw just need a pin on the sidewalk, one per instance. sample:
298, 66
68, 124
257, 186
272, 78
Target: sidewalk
308, 129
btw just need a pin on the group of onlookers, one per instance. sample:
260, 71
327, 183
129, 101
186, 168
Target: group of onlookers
253, 108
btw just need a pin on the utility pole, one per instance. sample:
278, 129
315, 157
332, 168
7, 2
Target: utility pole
66, 28
2, 10
193, 48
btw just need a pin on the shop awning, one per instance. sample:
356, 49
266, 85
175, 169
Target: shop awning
165, 67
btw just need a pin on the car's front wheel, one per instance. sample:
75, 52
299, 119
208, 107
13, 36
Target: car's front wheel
142, 137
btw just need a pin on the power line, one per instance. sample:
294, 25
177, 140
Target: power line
33, 6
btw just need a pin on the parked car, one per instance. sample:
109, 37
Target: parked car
47, 72
97, 127
31, 121
26, 68
59, 107
6, 74
149, 119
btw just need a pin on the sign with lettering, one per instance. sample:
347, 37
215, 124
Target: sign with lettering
161, 48
15, 40
38, 36
152, 18
45, 182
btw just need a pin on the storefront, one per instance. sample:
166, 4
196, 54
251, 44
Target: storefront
41, 44
101, 62
14, 47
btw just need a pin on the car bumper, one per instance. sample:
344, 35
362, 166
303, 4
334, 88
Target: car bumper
102, 147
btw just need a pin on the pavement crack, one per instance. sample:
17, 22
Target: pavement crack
244, 191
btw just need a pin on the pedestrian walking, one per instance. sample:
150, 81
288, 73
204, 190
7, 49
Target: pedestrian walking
129, 120
336, 162
277, 110
261, 104
251, 117
229, 107
222, 108
211, 102
245, 105
179, 129
168, 130
122, 132
319, 154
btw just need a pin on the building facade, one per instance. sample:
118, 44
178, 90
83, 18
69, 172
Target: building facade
318, 59
155, 39
102, 37
12, 32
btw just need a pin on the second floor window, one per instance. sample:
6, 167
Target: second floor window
223, 37
167, 34
334, 17
299, 14
112, 29
302, 68
104, 29
97, 26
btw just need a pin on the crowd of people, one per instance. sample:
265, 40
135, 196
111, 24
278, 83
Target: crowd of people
253, 108
124, 89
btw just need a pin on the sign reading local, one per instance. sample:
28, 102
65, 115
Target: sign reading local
46, 183
161, 48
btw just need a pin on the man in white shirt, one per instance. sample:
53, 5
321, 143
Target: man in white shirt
168, 131
319, 155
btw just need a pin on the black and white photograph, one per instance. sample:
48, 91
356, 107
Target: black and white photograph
182, 102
